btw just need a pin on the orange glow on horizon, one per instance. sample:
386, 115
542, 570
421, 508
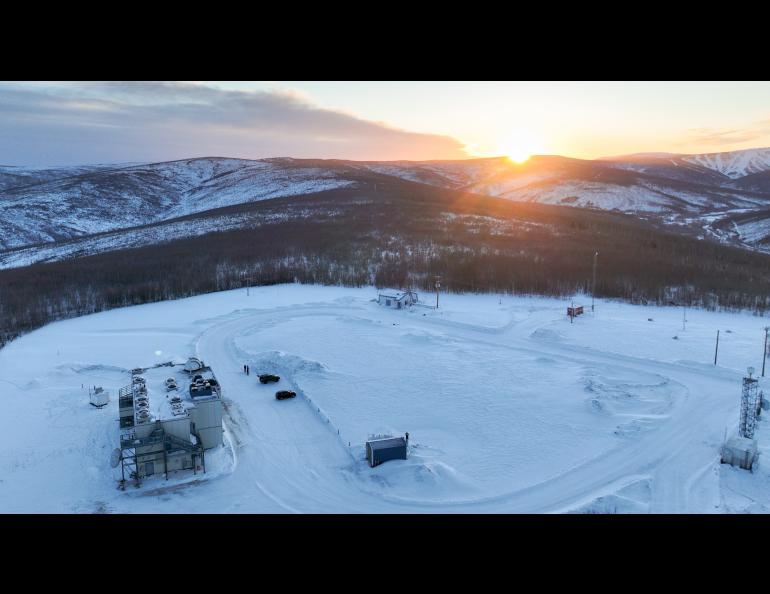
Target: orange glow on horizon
519, 146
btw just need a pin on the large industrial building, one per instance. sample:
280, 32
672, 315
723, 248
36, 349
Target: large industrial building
165, 428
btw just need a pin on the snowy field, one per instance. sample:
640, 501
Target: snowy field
509, 407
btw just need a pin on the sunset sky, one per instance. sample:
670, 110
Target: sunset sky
59, 123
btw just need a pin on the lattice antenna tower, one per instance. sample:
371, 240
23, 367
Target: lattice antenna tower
749, 397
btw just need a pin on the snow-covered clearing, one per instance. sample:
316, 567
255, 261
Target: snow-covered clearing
509, 407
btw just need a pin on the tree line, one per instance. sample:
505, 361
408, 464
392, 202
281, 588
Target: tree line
401, 235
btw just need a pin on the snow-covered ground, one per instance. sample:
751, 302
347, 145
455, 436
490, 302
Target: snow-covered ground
509, 407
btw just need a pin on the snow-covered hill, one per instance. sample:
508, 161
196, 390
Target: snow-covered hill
695, 192
734, 164
668, 188
91, 202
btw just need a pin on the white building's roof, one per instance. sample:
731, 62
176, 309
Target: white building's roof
395, 293
385, 443
161, 407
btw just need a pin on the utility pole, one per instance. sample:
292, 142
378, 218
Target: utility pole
593, 287
684, 314
438, 285
716, 351
764, 353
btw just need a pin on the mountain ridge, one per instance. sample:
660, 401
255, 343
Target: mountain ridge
49, 205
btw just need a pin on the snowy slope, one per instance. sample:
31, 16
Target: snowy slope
153, 234
14, 177
106, 200
447, 174
734, 164
610, 414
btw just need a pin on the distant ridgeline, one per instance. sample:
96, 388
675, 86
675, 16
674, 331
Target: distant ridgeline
401, 234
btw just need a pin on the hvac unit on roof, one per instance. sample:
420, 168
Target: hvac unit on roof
193, 364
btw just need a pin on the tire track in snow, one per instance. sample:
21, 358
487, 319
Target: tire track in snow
665, 453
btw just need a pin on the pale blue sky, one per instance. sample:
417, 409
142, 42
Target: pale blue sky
67, 123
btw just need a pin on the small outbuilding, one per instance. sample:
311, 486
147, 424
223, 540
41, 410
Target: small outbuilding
99, 397
388, 448
740, 451
396, 298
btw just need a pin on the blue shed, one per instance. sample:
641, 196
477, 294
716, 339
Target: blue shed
389, 448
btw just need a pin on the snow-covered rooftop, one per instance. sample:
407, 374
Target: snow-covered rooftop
386, 443
172, 403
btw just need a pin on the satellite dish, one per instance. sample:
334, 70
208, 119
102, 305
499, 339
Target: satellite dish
115, 457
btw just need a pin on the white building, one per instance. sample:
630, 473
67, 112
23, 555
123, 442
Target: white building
396, 299
740, 451
99, 397
164, 428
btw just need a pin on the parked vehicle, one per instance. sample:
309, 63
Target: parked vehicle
268, 377
171, 384
284, 394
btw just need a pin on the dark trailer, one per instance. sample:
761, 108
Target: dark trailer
382, 450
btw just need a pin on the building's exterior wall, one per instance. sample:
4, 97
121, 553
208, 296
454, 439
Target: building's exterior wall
211, 437
175, 461
387, 301
393, 453
142, 430
179, 427
207, 416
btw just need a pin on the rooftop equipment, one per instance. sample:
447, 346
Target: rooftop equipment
193, 364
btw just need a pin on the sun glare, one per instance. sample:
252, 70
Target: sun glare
519, 147
518, 156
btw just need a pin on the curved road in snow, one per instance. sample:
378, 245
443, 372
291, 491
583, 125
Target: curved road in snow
296, 463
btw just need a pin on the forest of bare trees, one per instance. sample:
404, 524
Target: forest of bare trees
403, 235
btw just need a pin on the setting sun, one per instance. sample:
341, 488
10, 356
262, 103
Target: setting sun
519, 146
518, 156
